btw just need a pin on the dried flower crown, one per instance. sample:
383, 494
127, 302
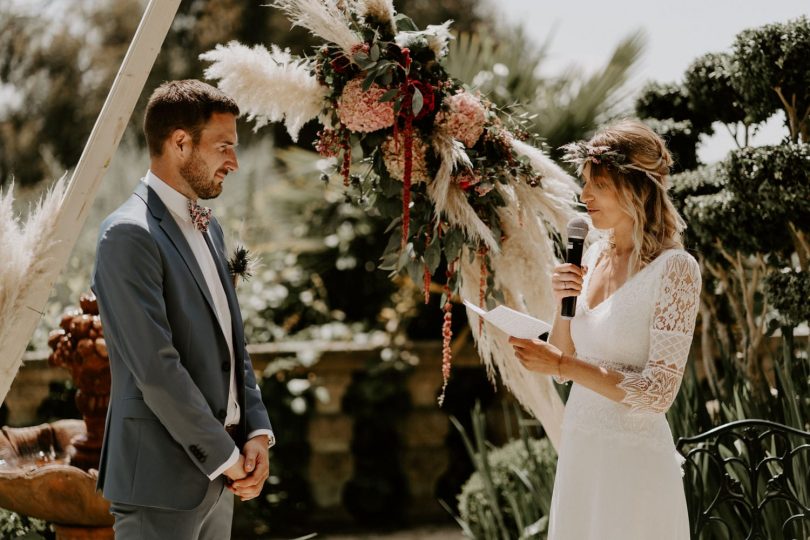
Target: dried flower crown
580, 153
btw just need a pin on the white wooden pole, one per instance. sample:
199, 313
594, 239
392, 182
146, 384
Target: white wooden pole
95, 159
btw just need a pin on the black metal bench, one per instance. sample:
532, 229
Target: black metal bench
748, 480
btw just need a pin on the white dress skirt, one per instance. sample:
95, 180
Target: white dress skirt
619, 475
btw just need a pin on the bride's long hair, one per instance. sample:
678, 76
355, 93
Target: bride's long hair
642, 189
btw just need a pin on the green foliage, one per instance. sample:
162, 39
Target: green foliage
664, 101
707, 84
15, 526
748, 223
725, 218
682, 140
669, 111
770, 72
509, 494
788, 292
763, 190
777, 178
703, 180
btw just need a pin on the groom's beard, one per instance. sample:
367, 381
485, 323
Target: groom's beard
200, 178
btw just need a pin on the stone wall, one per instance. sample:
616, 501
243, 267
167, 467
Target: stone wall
424, 430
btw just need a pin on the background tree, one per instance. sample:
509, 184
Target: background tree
669, 112
748, 215
770, 72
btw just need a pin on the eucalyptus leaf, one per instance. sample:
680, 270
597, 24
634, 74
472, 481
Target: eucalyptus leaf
418, 101
416, 271
396, 222
405, 257
433, 255
453, 242
386, 78
390, 94
404, 23
390, 255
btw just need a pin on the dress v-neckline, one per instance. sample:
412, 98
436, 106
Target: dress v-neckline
587, 303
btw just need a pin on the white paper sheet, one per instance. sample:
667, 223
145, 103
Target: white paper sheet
512, 322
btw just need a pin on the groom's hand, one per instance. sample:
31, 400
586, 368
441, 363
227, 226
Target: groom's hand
257, 468
237, 470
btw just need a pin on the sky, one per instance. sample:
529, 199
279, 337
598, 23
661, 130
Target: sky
586, 31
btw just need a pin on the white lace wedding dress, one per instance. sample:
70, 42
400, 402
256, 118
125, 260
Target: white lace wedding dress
618, 474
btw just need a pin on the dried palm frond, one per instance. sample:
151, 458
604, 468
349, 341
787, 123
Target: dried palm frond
269, 86
323, 18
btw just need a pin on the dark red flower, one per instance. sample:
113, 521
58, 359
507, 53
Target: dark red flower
428, 99
340, 63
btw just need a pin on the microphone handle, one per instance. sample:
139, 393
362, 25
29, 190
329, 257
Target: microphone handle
573, 256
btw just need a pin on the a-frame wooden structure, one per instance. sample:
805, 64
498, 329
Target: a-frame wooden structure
95, 159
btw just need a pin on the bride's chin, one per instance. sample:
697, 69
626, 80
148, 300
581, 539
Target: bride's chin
598, 225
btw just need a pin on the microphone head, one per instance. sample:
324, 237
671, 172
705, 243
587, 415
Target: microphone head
577, 228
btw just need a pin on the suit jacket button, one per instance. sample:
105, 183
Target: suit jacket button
222, 414
226, 366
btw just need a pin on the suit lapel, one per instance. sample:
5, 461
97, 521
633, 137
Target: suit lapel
169, 226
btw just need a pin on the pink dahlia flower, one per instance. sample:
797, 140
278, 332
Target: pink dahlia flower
463, 118
394, 158
363, 111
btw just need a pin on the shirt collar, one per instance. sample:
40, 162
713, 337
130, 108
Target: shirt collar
175, 201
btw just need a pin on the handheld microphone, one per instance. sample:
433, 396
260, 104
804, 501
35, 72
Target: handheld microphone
577, 231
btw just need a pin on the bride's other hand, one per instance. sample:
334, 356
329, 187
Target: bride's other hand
536, 355
567, 280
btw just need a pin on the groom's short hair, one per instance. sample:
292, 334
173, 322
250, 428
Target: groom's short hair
187, 105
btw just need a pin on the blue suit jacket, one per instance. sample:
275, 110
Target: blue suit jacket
169, 360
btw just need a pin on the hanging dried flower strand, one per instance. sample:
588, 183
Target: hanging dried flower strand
447, 332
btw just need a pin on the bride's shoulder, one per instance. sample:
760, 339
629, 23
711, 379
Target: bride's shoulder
678, 262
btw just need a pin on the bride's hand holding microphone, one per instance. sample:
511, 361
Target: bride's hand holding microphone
566, 281
566, 285
537, 355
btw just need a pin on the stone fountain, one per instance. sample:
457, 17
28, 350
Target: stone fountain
49, 471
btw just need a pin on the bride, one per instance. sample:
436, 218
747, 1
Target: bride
618, 474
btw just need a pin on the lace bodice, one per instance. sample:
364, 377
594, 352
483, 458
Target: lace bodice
644, 329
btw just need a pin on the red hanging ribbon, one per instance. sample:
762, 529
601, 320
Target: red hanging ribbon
427, 276
408, 138
406, 178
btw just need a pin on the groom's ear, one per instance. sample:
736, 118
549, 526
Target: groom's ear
179, 144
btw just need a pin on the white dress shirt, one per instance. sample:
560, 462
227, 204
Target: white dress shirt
177, 203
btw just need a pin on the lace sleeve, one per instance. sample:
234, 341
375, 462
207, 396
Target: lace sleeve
671, 328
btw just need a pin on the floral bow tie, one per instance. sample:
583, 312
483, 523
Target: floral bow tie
200, 215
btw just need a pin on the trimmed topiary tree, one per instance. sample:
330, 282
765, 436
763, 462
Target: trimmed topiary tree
770, 72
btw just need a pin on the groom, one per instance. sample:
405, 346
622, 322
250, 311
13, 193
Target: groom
186, 427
